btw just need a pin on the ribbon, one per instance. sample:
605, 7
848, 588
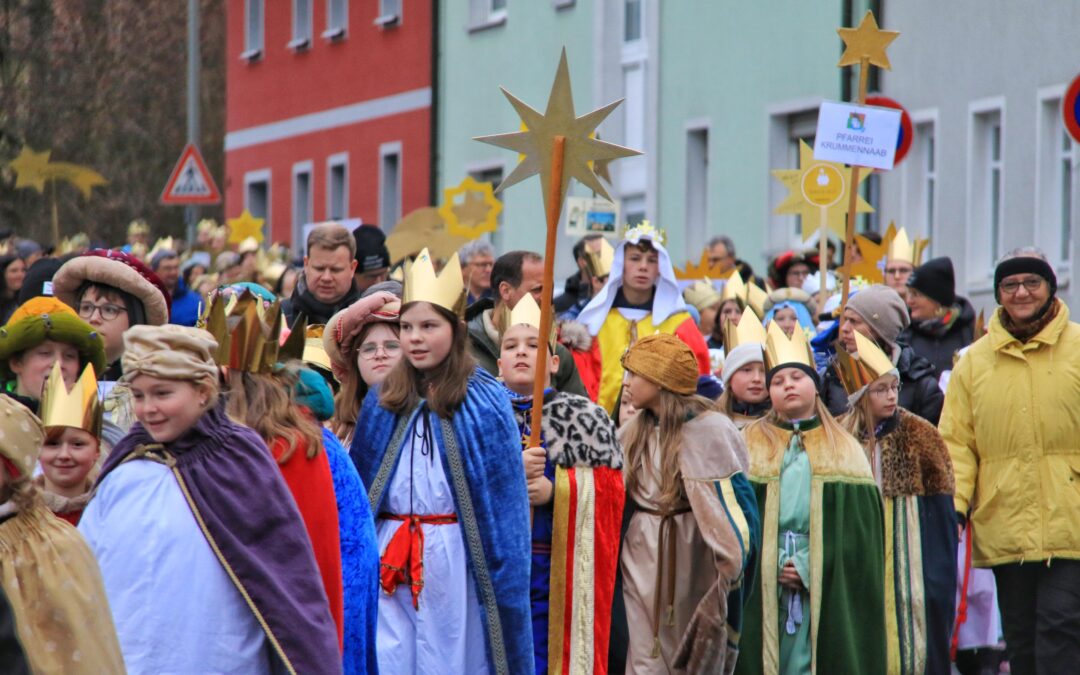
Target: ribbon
403, 560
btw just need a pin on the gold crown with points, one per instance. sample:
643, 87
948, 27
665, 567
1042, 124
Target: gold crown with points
527, 312
295, 345
780, 350
138, 226
749, 329
735, 289
79, 408
756, 299
903, 249
446, 290
644, 230
701, 270
600, 262
860, 369
246, 332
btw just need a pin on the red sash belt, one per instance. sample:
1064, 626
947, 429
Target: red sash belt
403, 561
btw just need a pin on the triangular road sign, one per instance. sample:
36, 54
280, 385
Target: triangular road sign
190, 182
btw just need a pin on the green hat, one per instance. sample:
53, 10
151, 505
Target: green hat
41, 319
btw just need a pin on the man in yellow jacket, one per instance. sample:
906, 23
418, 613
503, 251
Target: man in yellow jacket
1012, 424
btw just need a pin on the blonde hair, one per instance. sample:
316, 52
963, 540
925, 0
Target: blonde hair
855, 423
768, 424
265, 403
331, 236
675, 411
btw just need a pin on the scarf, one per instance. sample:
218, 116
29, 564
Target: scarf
1025, 331
939, 326
316, 311
750, 409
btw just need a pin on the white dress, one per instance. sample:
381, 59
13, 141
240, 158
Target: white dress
175, 609
446, 635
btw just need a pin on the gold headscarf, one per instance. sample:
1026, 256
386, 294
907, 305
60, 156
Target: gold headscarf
169, 352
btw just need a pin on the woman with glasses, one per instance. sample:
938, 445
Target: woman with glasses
942, 322
911, 465
363, 344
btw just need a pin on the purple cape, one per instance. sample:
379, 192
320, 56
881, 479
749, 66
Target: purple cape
250, 518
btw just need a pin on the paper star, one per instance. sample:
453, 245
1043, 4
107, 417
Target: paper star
872, 265
479, 213
796, 202
244, 226
559, 119
83, 178
866, 42
29, 168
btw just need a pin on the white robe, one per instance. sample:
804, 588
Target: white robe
175, 608
447, 634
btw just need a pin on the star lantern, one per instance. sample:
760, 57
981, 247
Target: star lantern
817, 216
244, 226
479, 213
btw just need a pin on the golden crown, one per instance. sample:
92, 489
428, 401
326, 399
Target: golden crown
600, 262
644, 230
780, 350
138, 226
702, 294
246, 331
735, 289
867, 364
756, 299
527, 312
207, 225
701, 270
749, 329
79, 408
162, 244
295, 344
314, 349
447, 289
903, 249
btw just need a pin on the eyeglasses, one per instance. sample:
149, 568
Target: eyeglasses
370, 349
108, 312
1031, 284
883, 389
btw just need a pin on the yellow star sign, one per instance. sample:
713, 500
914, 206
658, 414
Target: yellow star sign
33, 169
866, 42
807, 198
872, 265
538, 140
477, 215
244, 226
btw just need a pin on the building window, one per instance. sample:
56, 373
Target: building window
302, 202
697, 189
928, 184
337, 187
993, 177
801, 128
389, 13
389, 184
987, 155
1055, 179
337, 19
871, 192
633, 208
1065, 165
632, 20
253, 30
486, 14
301, 18
493, 174
257, 198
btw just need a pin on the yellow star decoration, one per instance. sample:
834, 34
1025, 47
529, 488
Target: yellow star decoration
872, 265
701, 270
537, 141
33, 169
866, 42
797, 204
478, 214
244, 226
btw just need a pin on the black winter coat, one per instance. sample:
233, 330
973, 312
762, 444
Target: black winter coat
938, 344
919, 391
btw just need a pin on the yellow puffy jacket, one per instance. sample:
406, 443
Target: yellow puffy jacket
1012, 424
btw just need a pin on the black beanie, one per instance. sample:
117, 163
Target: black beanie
935, 280
371, 251
1024, 265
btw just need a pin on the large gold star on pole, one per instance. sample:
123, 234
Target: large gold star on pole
33, 169
796, 202
872, 265
538, 139
245, 225
866, 42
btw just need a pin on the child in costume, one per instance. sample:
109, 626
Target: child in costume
818, 602
640, 298
911, 465
439, 449
206, 561
69, 456
791, 308
694, 529
47, 571
745, 396
576, 493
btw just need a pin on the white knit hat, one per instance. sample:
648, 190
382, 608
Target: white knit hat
748, 352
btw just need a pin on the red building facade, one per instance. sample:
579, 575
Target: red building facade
328, 111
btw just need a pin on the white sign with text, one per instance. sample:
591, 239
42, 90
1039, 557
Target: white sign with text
857, 135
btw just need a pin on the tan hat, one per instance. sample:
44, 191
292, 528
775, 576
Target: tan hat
664, 360
343, 329
169, 352
119, 270
21, 435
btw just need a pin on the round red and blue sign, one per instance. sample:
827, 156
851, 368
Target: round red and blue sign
1070, 109
903, 142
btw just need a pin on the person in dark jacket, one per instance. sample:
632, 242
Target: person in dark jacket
942, 323
327, 285
880, 314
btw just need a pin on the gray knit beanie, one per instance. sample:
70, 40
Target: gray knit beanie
748, 352
883, 310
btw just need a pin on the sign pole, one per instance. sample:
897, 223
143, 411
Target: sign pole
849, 238
823, 250
191, 212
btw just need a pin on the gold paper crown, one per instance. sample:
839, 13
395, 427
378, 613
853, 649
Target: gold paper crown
867, 364
314, 349
600, 262
78, 242
701, 270
207, 225
644, 230
903, 249
246, 332
79, 408
162, 244
527, 312
781, 350
138, 226
756, 299
447, 289
248, 245
735, 289
749, 329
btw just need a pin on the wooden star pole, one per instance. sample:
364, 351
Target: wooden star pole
557, 147
865, 46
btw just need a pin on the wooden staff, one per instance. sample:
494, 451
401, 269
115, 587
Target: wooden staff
823, 250
853, 193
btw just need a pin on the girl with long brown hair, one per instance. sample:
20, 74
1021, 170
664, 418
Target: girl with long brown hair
694, 524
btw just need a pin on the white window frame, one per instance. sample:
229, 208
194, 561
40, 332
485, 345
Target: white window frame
1050, 157
307, 167
916, 175
333, 32
253, 51
783, 153
301, 41
483, 15
980, 249
385, 150
641, 29
261, 176
340, 159
697, 233
390, 17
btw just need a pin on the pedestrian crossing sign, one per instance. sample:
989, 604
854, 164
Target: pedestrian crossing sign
190, 181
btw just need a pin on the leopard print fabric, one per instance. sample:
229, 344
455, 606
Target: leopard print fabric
578, 433
915, 460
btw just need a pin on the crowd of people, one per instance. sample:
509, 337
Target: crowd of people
215, 460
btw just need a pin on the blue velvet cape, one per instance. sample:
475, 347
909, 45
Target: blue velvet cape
480, 447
